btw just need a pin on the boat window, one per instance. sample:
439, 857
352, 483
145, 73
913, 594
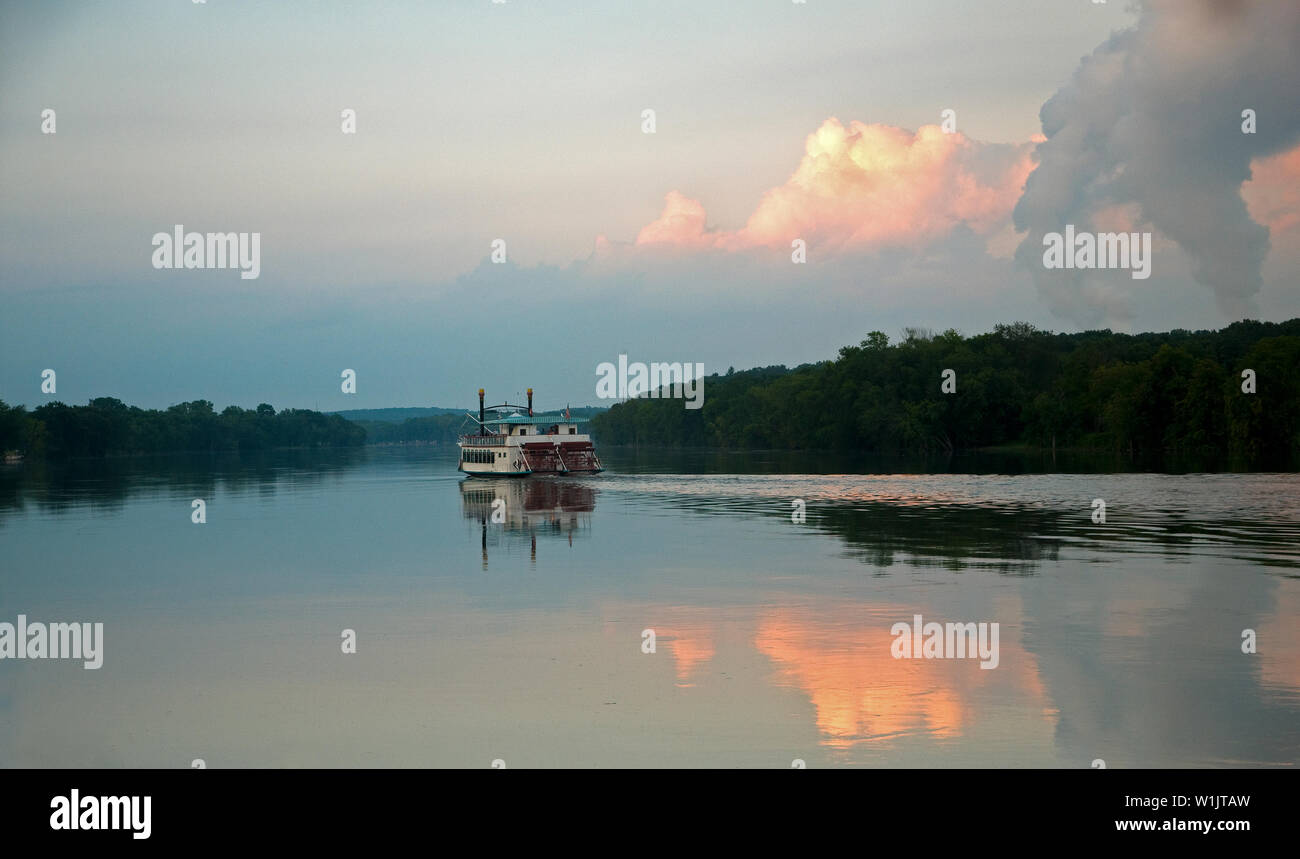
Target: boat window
573, 430
523, 430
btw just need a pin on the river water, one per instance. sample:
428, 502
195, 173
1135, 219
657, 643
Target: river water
676, 610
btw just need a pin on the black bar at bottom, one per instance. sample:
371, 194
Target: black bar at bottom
334, 808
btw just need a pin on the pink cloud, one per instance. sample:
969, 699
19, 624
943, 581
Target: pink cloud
1272, 194
681, 223
867, 186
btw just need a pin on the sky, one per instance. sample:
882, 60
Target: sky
524, 122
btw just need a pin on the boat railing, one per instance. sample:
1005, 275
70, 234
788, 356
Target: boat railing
483, 440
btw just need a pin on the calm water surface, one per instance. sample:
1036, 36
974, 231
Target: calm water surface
521, 640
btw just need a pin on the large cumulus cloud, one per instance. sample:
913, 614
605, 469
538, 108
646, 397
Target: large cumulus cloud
1151, 122
866, 186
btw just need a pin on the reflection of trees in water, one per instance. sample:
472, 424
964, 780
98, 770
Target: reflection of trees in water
923, 532
528, 507
718, 461
952, 537
1017, 540
651, 459
108, 483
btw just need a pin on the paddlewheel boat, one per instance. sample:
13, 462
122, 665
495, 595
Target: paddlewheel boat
512, 441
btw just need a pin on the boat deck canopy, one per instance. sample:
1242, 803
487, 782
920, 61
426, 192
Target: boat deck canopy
535, 420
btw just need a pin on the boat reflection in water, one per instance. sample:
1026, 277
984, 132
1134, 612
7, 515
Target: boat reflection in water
512, 511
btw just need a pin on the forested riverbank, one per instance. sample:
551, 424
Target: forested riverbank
107, 426
1017, 385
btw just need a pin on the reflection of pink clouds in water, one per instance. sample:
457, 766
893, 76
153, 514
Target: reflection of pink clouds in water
841, 658
687, 633
690, 649
1278, 644
857, 694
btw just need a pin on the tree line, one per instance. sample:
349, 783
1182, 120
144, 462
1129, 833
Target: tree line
107, 426
1017, 385
441, 428
431, 429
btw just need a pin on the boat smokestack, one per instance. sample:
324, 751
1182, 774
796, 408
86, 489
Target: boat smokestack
480, 411
530, 402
